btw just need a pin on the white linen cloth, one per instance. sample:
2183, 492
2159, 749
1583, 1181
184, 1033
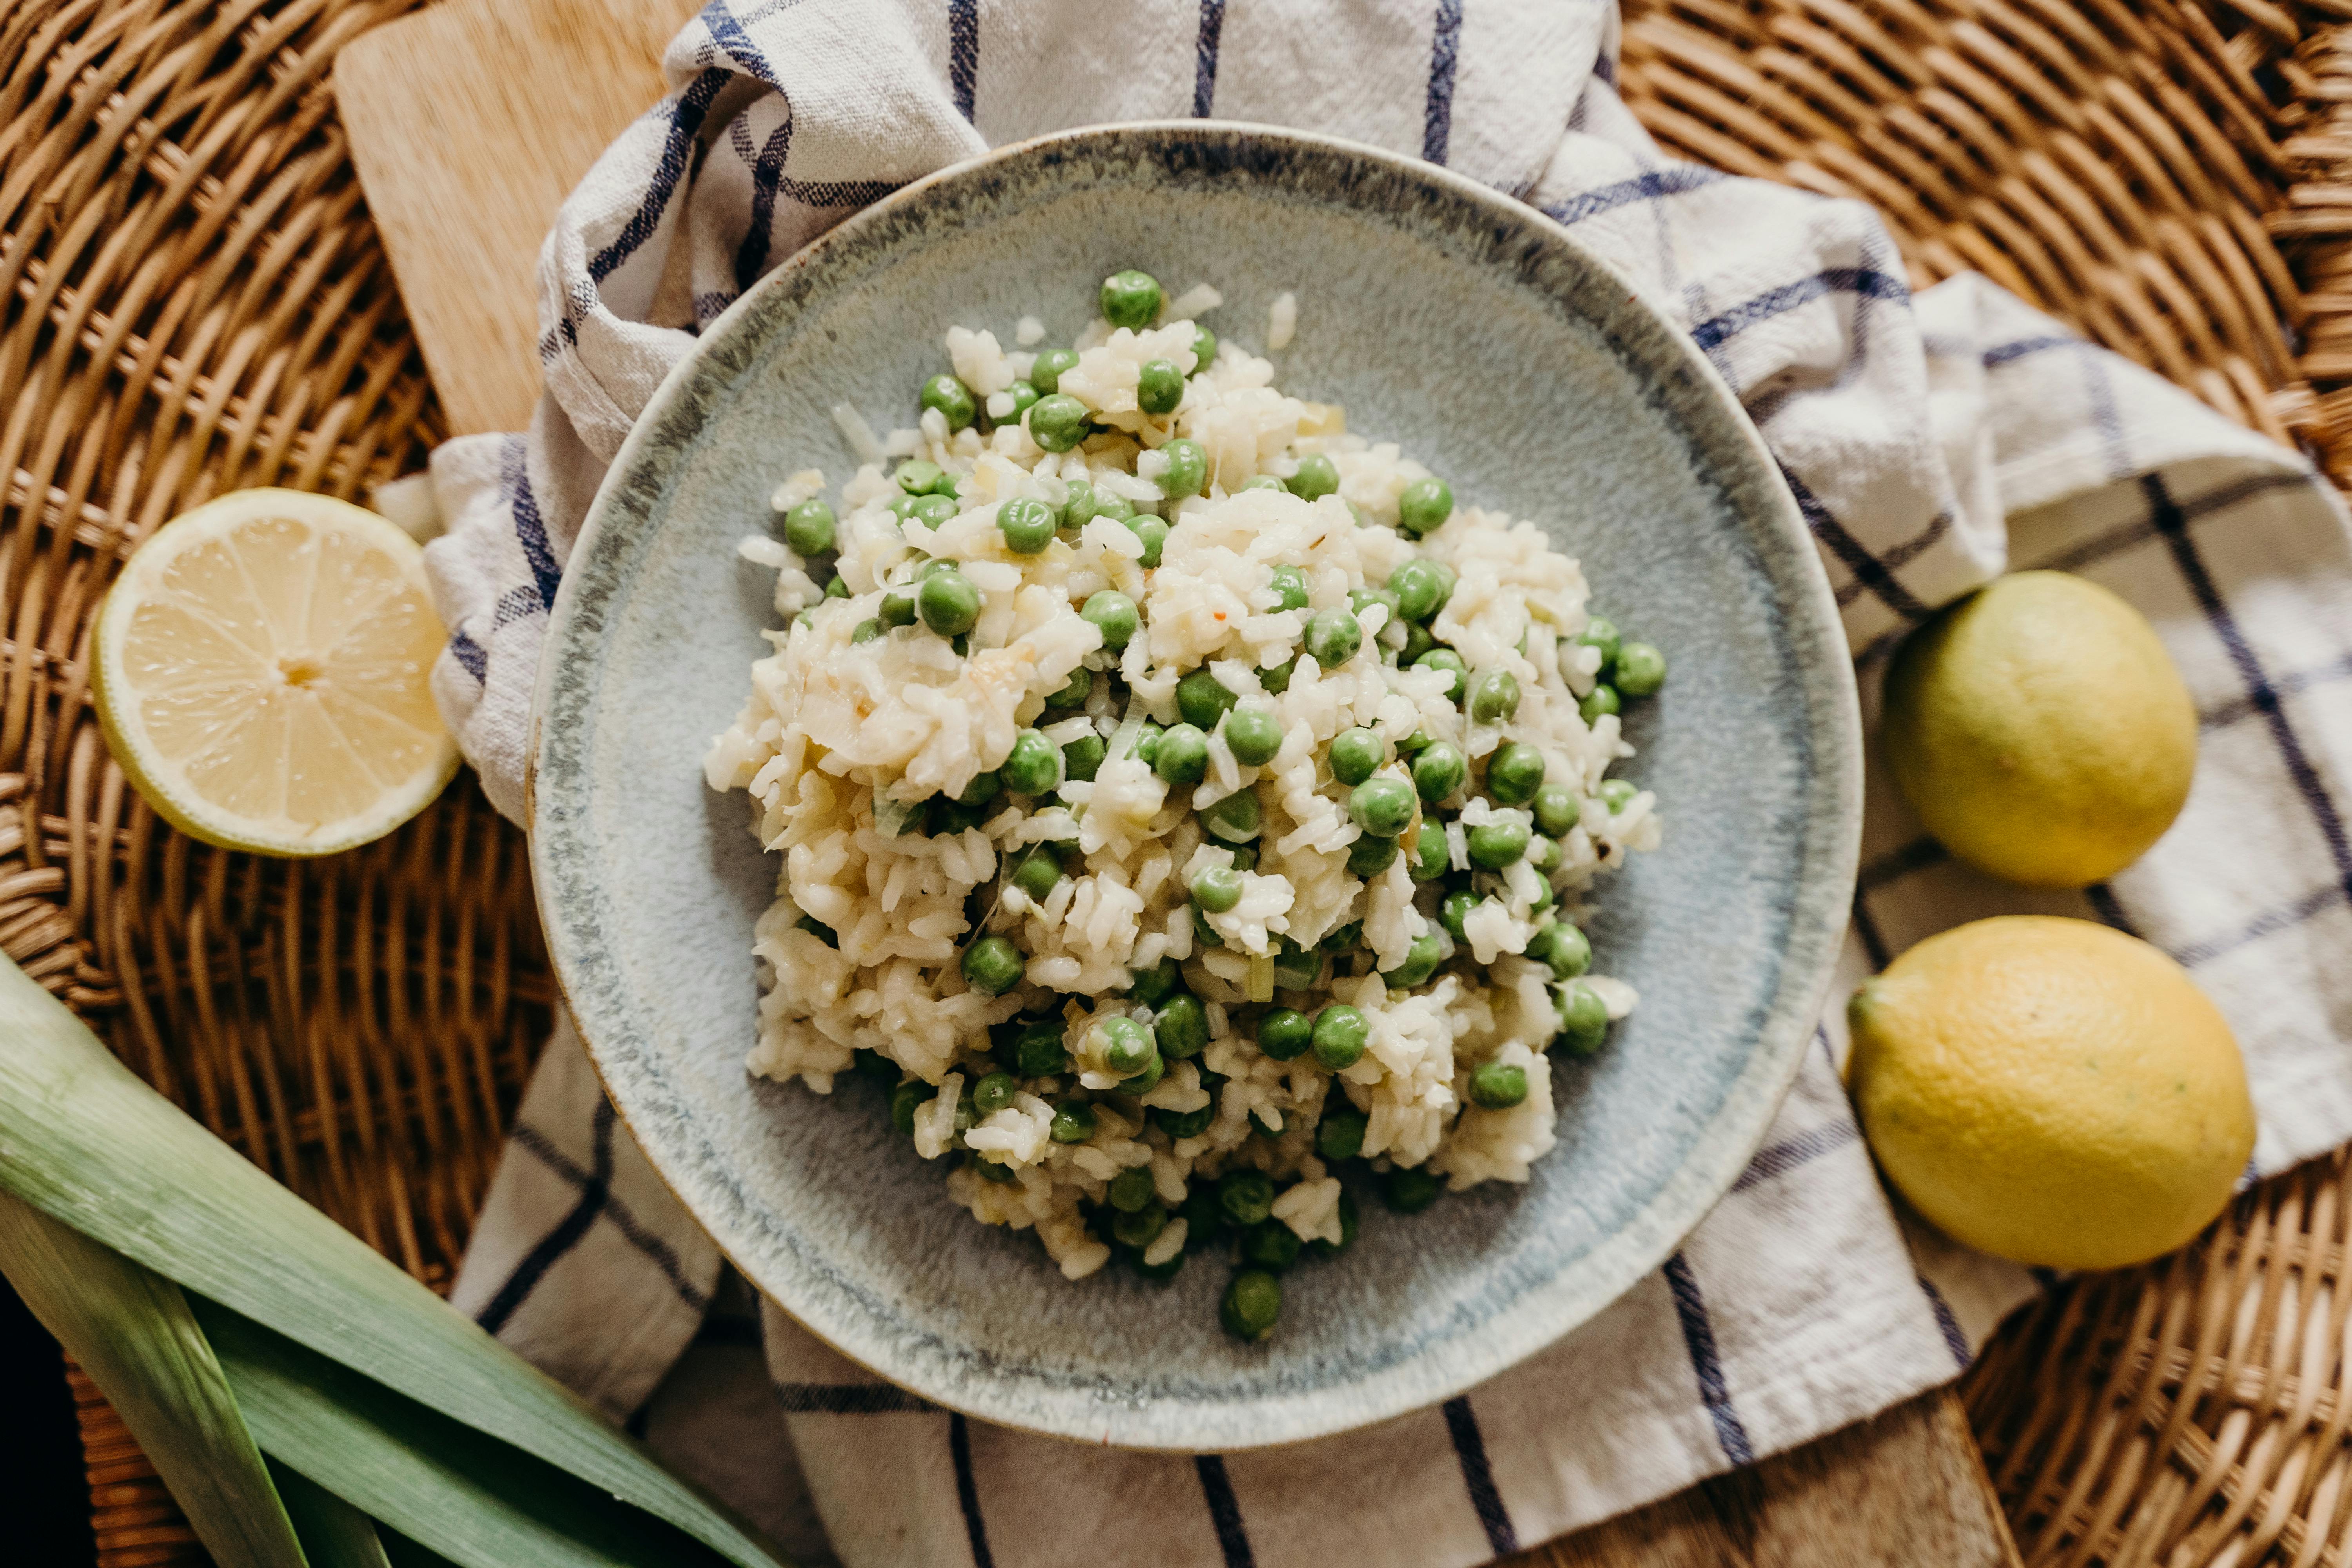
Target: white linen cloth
1932, 441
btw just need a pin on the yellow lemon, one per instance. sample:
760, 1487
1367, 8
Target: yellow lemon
2040, 730
261, 673
2051, 1090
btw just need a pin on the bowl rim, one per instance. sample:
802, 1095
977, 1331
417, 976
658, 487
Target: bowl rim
1822, 895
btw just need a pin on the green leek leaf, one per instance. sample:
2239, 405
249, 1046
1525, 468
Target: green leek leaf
334, 1533
85, 1142
130, 1329
471, 1499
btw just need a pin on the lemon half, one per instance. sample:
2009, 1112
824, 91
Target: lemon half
261, 673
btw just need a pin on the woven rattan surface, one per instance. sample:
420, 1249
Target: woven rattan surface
195, 302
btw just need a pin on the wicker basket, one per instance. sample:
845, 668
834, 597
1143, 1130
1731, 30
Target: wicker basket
196, 301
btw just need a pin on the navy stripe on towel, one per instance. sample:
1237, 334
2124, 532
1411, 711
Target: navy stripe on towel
1698, 1335
663, 1256
1863, 282
530, 529
594, 1191
1444, 45
677, 150
1648, 186
1204, 57
855, 1399
964, 52
1867, 568
968, 1491
1478, 1476
1778, 1158
2108, 908
2172, 525
1224, 1511
1946, 1324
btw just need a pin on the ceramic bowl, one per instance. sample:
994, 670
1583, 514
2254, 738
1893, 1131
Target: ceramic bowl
1486, 339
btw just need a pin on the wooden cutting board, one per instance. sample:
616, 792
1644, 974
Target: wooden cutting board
469, 123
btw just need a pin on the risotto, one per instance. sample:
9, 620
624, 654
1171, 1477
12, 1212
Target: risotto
1186, 810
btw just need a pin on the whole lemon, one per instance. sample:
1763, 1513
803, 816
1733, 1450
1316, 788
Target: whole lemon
2040, 730
2051, 1090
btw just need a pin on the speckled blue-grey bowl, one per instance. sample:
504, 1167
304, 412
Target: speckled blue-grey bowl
1440, 314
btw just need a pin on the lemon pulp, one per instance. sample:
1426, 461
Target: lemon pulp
262, 674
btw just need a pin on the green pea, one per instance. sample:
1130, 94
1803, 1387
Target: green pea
808, 528
1496, 845
1601, 700
993, 1093
1038, 874
1074, 692
1601, 633
835, 588
1187, 469
1078, 506
1362, 599
1333, 636
1147, 743
1126, 1047
1340, 1036
1246, 1196
1424, 505
1421, 589
1514, 773
1438, 771
1058, 423
1453, 908
1557, 809
1567, 950
1032, 1048
1419, 965
1371, 855
1409, 1190
1291, 583
1270, 1245
951, 398
1245, 857
1356, 754
1032, 767
906, 1100
1417, 641
1203, 701
1498, 1086
1412, 745
1252, 1302
1641, 668
1132, 1189
902, 506
1156, 984
1130, 299
1262, 482
1184, 756
1074, 1121
934, 567
1316, 477
1431, 856
1253, 735
1140, 1229
1340, 1134
1446, 659
1022, 393
919, 476
1217, 888
1284, 1033
945, 817
1543, 854
1153, 532
1583, 1018
1344, 939
1618, 793
1295, 968
1494, 697
1204, 348
867, 631
1275, 677
983, 788
993, 964
1046, 373
1158, 386
1382, 806
1115, 614
1235, 818
1027, 525
932, 512
1082, 758
1184, 1123
1349, 1223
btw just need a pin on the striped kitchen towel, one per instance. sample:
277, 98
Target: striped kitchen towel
1932, 441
